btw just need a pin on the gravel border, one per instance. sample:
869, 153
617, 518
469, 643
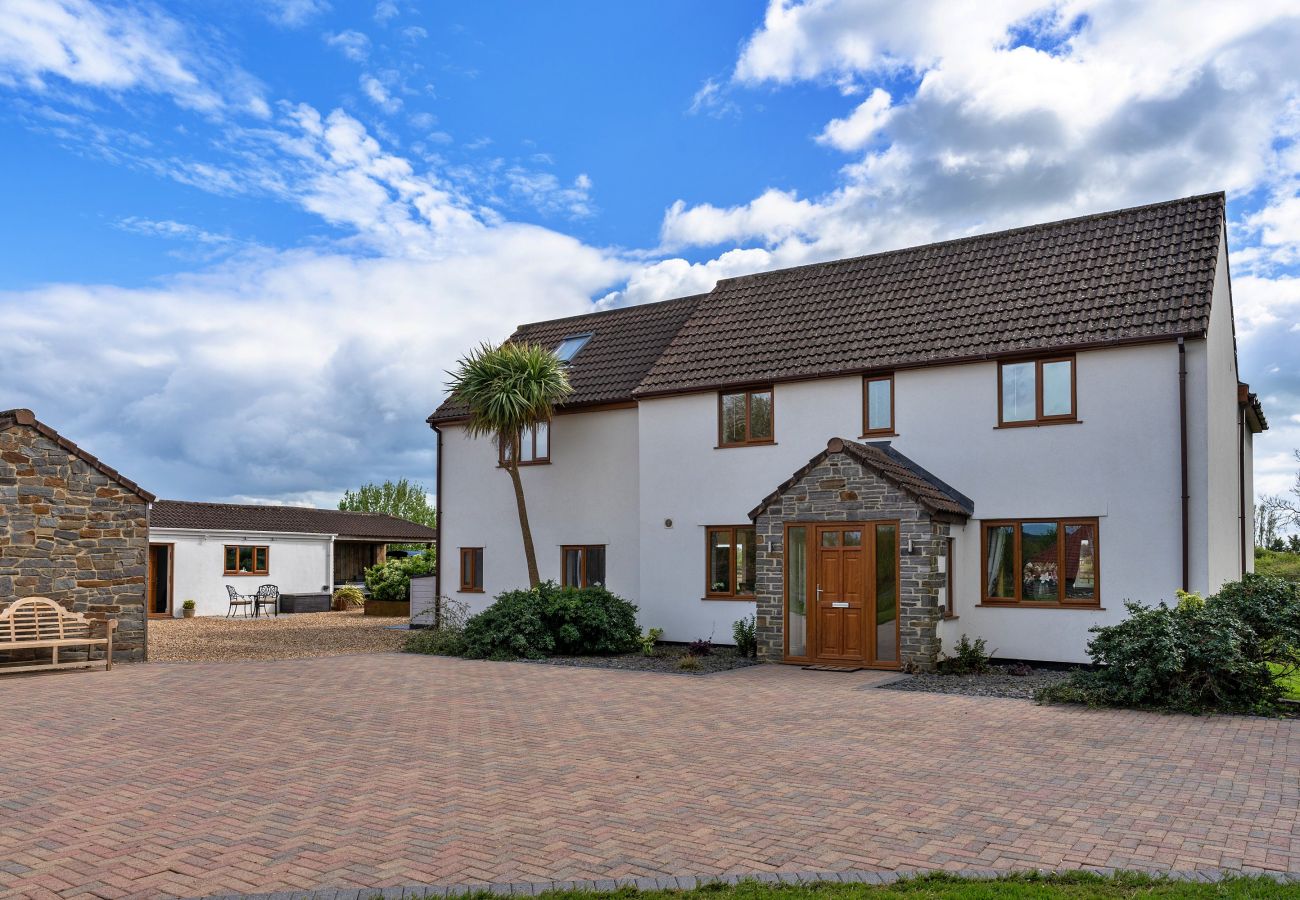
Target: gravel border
997, 682
287, 636
665, 661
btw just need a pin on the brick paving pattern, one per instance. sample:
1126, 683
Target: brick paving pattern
384, 770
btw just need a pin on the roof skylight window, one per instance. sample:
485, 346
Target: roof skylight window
570, 346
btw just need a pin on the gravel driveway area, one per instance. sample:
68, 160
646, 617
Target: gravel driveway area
997, 682
297, 636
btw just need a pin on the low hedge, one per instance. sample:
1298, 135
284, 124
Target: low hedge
550, 620
1230, 652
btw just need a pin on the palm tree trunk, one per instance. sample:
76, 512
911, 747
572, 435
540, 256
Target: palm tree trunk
530, 554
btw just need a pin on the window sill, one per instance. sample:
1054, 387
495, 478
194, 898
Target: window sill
470, 591
740, 599
1086, 607
747, 444
524, 465
1037, 424
877, 434
245, 574
949, 618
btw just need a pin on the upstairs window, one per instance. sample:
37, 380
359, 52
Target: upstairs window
733, 562
471, 570
1036, 391
242, 560
582, 566
534, 446
745, 417
877, 405
570, 346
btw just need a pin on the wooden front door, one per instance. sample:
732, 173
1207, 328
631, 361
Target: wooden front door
840, 594
853, 594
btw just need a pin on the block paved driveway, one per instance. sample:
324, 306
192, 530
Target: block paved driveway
383, 770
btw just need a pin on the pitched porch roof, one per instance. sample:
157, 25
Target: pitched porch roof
938, 498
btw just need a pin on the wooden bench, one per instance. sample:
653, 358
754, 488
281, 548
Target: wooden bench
40, 622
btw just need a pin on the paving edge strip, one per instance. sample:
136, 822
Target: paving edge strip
686, 882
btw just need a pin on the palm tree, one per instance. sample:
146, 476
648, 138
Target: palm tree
509, 389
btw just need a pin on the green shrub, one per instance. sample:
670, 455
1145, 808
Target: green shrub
970, 658
348, 596
550, 620
436, 642
688, 662
1227, 653
649, 639
746, 636
391, 579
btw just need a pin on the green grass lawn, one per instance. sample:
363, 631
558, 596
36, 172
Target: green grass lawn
1283, 565
1291, 683
1010, 887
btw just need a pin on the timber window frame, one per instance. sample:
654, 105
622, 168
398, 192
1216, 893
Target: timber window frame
879, 430
471, 570
1054, 571
949, 604
260, 559
1040, 416
748, 439
730, 587
529, 443
588, 562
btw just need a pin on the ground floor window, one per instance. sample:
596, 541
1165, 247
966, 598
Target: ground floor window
471, 569
1041, 562
583, 566
732, 562
950, 598
247, 560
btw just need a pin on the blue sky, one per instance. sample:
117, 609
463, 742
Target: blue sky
242, 241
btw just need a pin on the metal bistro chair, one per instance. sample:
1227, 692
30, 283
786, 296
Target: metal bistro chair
237, 600
267, 595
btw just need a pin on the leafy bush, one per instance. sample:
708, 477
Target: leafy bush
550, 620
348, 596
1227, 653
701, 647
188, 604
970, 658
391, 579
746, 636
649, 639
447, 636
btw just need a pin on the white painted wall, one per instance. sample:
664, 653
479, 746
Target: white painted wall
586, 495
1223, 549
297, 564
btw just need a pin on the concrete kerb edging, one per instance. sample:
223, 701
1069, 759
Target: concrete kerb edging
687, 882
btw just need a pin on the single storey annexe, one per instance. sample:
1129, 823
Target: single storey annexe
197, 549
1005, 436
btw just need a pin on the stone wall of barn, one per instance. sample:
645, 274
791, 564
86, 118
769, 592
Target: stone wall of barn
839, 489
70, 533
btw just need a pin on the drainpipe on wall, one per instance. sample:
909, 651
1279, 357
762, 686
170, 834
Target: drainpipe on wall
1241, 481
437, 527
1182, 447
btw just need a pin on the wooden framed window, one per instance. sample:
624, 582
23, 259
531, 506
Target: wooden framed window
732, 562
471, 570
1036, 391
1041, 562
534, 446
244, 559
582, 566
878, 405
950, 598
745, 417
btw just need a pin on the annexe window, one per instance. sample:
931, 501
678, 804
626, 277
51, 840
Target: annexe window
877, 405
534, 446
582, 566
950, 599
1036, 391
247, 560
1041, 562
732, 562
471, 570
745, 417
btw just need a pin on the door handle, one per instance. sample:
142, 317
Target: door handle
819, 592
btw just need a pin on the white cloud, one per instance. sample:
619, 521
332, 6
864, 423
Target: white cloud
857, 130
352, 44
385, 10
116, 49
379, 95
293, 13
545, 192
712, 99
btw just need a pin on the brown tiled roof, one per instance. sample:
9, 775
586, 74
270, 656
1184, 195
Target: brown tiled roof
299, 519
878, 456
11, 417
624, 345
1134, 274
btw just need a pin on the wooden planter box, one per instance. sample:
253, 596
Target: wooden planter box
388, 607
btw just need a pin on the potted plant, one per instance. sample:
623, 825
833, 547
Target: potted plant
187, 609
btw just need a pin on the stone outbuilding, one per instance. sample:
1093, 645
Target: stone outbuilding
858, 539
72, 529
